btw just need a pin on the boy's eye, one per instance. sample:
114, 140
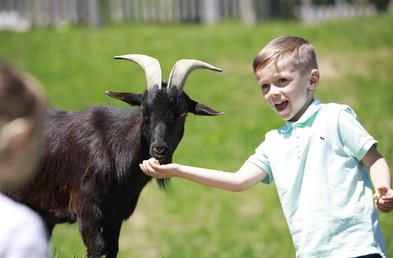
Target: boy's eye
282, 81
265, 88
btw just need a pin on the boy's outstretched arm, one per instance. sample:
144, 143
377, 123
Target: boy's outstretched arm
381, 179
247, 176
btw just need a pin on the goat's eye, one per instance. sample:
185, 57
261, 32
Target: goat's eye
183, 114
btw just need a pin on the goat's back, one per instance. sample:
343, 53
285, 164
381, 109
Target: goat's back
88, 157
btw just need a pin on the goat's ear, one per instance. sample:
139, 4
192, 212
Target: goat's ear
202, 109
130, 98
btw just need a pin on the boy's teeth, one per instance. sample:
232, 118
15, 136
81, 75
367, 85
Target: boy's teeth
280, 106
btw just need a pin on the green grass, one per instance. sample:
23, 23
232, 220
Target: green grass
75, 66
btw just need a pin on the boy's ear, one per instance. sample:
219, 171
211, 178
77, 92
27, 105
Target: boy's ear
314, 78
14, 136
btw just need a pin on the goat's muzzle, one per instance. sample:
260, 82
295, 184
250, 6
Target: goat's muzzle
161, 152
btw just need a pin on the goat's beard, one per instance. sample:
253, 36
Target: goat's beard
163, 183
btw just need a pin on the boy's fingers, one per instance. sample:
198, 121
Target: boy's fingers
154, 165
383, 206
144, 167
387, 199
147, 168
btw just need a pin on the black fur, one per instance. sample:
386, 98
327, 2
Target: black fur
89, 170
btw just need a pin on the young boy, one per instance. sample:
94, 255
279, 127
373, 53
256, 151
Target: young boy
321, 161
22, 106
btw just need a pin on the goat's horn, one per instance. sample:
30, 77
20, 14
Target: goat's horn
150, 65
182, 69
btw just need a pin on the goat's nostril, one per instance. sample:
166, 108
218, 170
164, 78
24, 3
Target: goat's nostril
159, 150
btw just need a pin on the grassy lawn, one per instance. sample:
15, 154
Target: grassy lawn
75, 66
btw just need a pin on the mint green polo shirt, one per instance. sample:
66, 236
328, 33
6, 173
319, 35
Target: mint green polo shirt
324, 189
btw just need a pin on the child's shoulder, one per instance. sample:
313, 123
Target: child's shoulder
334, 109
333, 105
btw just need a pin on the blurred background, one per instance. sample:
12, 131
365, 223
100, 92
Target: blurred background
68, 46
24, 14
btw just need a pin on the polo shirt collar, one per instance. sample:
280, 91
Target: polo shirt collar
314, 107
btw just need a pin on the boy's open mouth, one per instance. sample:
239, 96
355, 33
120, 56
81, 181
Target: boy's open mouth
281, 106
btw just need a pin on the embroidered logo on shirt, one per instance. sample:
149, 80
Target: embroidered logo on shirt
322, 138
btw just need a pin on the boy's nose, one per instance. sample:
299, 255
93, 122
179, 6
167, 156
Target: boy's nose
274, 91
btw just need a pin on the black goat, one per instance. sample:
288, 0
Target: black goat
89, 169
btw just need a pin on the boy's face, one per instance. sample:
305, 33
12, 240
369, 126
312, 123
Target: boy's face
286, 89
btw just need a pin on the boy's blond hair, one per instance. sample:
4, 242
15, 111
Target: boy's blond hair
298, 51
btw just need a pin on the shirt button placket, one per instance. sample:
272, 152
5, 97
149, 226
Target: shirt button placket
298, 142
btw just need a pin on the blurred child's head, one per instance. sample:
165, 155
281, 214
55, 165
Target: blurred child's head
22, 107
287, 72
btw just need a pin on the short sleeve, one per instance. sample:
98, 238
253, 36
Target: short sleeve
355, 140
260, 159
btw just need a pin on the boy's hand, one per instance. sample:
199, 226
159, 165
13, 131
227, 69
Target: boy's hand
383, 199
153, 168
